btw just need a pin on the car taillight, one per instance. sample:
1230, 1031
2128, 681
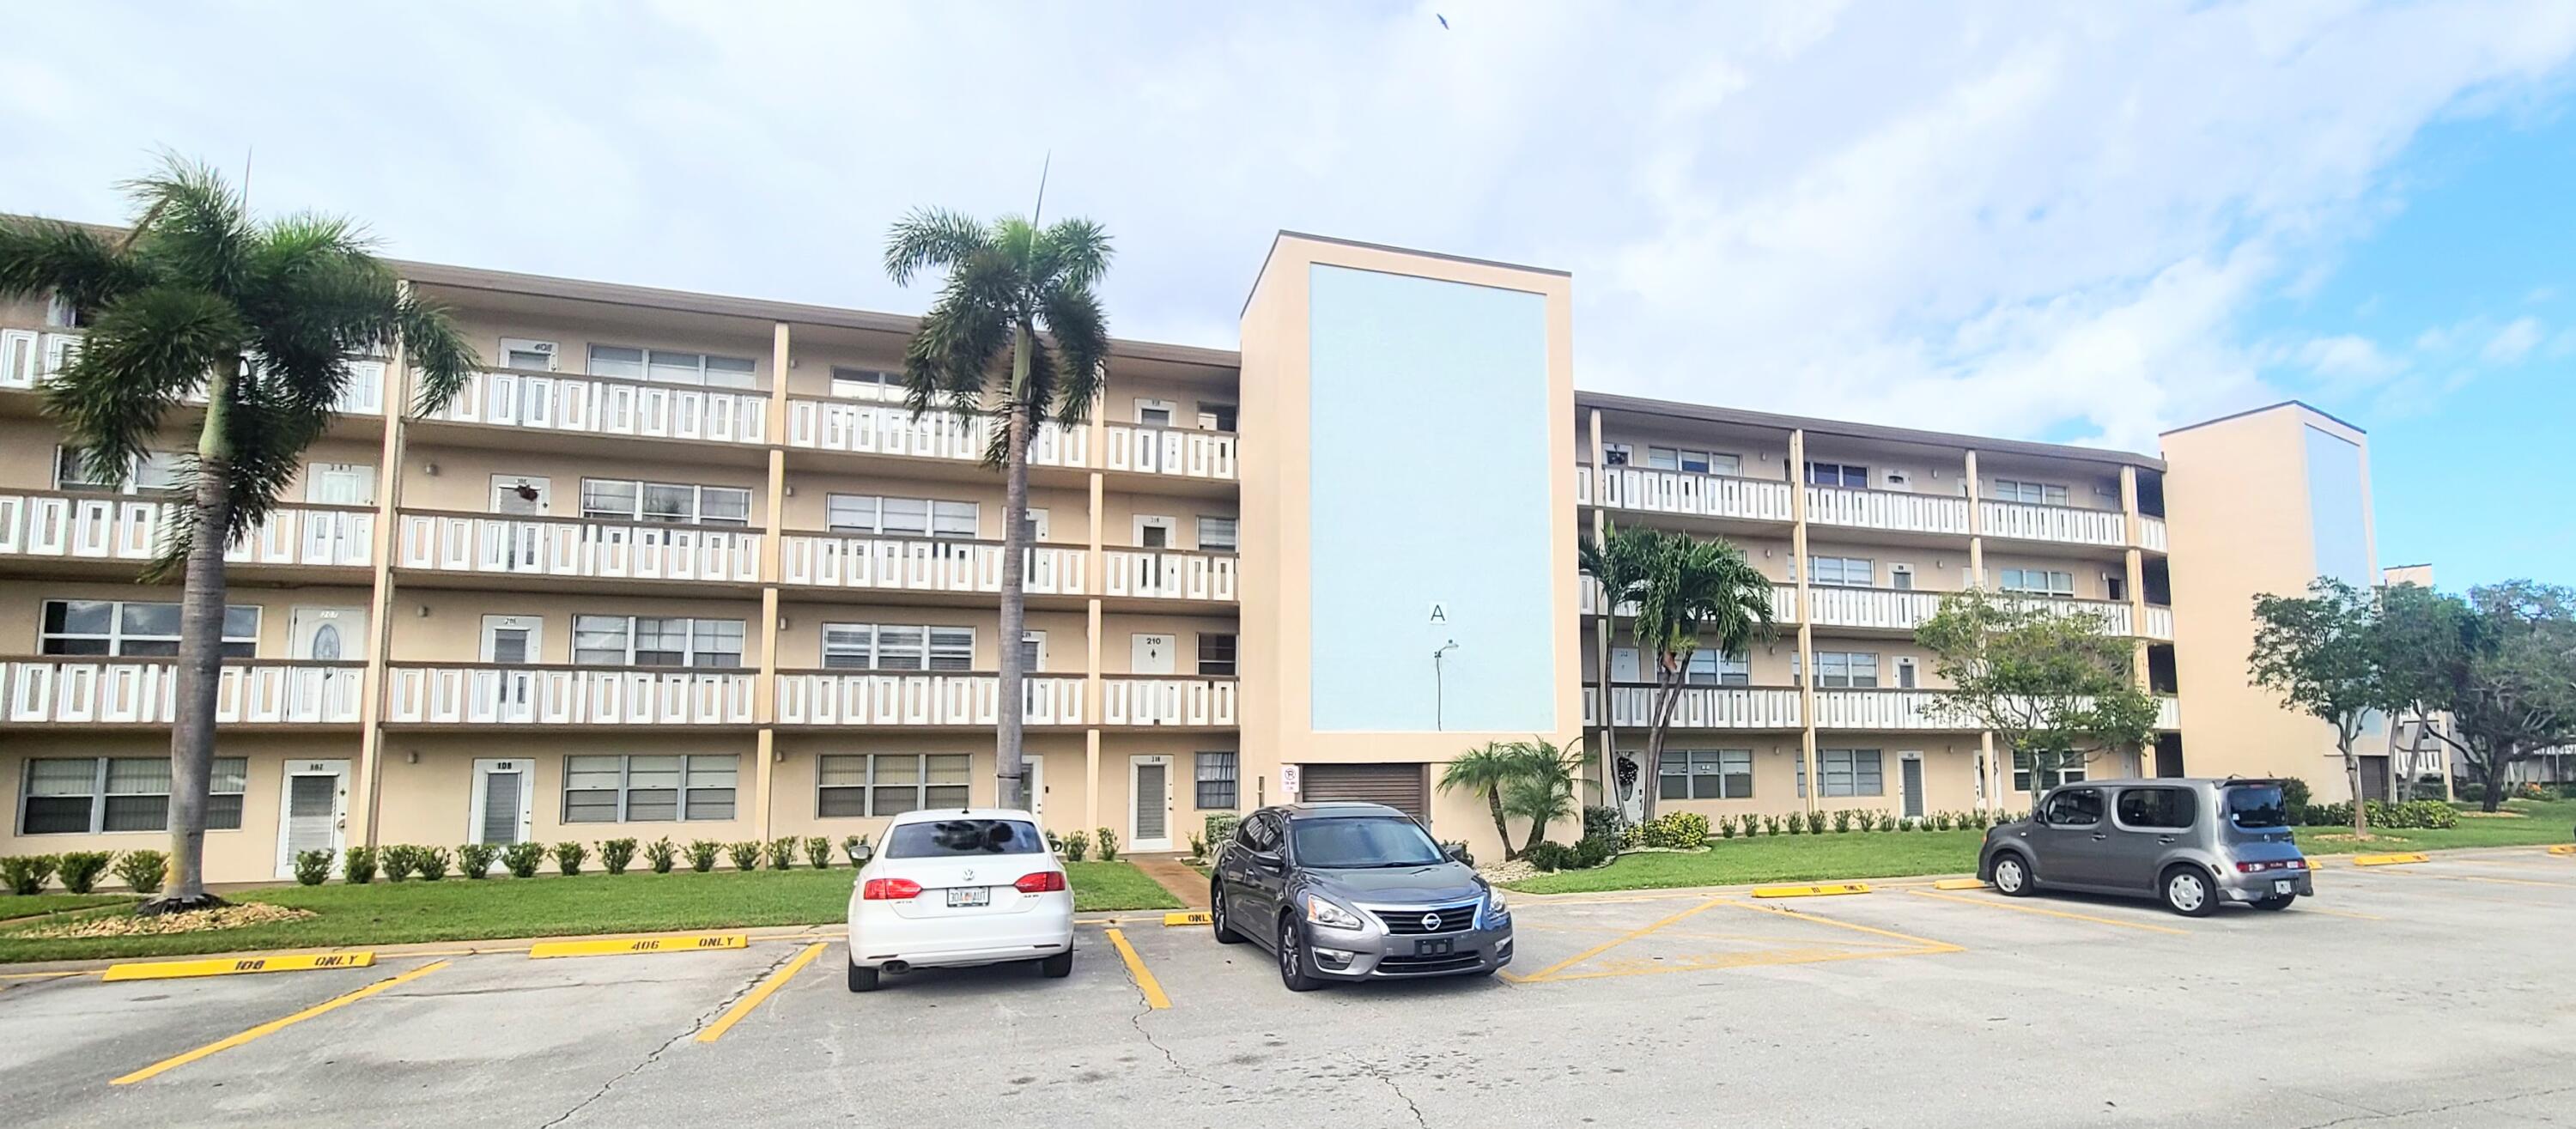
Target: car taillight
2259, 867
1042, 882
889, 890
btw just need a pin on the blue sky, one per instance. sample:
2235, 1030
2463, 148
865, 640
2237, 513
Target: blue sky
2079, 222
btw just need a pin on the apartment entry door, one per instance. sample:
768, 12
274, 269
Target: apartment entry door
504, 801
312, 811
1151, 654
1149, 803
1910, 779
327, 634
512, 641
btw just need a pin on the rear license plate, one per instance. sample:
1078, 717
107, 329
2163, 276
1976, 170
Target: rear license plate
1435, 948
2284, 886
963, 897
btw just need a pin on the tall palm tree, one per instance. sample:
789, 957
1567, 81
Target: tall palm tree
1016, 336
1691, 595
257, 317
1619, 565
1487, 772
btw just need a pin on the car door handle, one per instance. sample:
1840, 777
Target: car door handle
2164, 838
2099, 836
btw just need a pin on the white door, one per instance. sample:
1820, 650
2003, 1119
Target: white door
1033, 652
340, 484
520, 494
1151, 654
1149, 804
326, 634
1623, 665
312, 811
519, 352
1036, 768
1909, 780
504, 806
1901, 577
512, 640
1154, 532
1037, 523
1155, 413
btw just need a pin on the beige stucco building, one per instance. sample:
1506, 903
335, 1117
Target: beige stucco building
678, 564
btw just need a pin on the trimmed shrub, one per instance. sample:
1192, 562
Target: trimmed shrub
1548, 855
745, 855
313, 868
1770, 825
2412, 813
433, 862
818, 851
27, 874
850, 847
1678, 830
1076, 845
1726, 827
702, 854
1630, 837
1198, 845
1594, 851
569, 856
660, 854
1940, 821
358, 866
143, 870
1220, 827
782, 853
2327, 815
1797, 823
1843, 820
1752, 824
1108, 841
2295, 793
79, 870
400, 860
523, 859
614, 854
474, 860
1601, 821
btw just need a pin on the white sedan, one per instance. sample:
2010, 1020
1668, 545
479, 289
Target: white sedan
952, 888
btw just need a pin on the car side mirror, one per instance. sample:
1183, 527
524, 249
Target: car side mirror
859, 855
1457, 852
1268, 860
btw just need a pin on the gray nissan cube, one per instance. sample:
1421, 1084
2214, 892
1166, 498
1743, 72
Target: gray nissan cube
2191, 843
1351, 891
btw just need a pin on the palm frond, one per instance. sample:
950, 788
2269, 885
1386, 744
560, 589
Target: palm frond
1081, 332
931, 237
270, 421
964, 334
142, 354
1072, 253
193, 229
440, 360
41, 256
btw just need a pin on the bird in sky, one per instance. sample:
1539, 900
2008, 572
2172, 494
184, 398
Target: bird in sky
1444, 20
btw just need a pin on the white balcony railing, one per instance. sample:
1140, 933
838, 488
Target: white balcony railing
28, 358
2159, 623
1673, 492
2066, 525
1168, 574
1170, 450
1884, 608
94, 691
1701, 707
915, 565
1159, 700
606, 406
866, 428
1784, 600
1884, 709
2151, 533
2168, 712
871, 698
1886, 509
483, 694
105, 527
446, 542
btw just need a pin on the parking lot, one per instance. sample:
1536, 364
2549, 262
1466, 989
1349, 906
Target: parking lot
2432, 994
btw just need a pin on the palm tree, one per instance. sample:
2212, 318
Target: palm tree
1542, 791
256, 318
1690, 595
1488, 772
1016, 335
1619, 566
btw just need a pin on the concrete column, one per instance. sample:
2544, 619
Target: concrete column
2135, 572
1604, 623
764, 690
1976, 526
367, 776
1806, 613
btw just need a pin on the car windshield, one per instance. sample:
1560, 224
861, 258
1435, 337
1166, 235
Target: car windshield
949, 838
2257, 807
1366, 841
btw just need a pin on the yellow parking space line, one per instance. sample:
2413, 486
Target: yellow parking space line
754, 998
276, 1025
1928, 943
1692, 934
1748, 960
1619, 940
1992, 904
1145, 982
43, 975
1817, 890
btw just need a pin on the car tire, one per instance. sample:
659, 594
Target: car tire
1225, 934
862, 979
2276, 901
1292, 958
2187, 890
2013, 877
1057, 967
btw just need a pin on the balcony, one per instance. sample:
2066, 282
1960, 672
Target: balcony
1701, 707
492, 545
1884, 609
897, 564
1689, 495
530, 695
870, 428
105, 691
2151, 533
1784, 600
42, 525
29, 358
921, 700
2160, 625
1168, 574
2063, 525
1170, 451
597, 405
1890, 510
1163, 700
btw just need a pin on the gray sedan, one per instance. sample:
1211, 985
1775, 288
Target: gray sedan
1350, 891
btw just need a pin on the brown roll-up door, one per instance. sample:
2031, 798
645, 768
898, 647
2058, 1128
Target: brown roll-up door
1404, 787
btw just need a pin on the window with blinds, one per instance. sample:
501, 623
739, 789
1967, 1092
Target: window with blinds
95, 795
649, 789
882, 784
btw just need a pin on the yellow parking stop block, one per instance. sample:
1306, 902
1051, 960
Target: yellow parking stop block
1187, 917
2563, 849
229, 966
613, 946
1819, 891
2390, 860
1959, 884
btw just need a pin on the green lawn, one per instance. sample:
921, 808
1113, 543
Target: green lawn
29, 905
1777, 858
457, 909
2544, 821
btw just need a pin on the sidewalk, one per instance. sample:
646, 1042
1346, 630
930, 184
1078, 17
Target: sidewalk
1175, 876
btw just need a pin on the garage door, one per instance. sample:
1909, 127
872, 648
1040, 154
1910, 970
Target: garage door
1404, 787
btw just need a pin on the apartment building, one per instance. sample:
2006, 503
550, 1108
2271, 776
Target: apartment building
679, 564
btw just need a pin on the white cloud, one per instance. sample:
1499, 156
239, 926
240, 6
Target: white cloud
2514, 342
2032, 220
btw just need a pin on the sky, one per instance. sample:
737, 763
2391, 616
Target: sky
2084, 223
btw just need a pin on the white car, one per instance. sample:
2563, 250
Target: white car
952, 888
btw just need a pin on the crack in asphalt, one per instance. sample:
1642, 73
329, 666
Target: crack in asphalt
2466, 1103
1137, 1021
1380, 1073
655, 1055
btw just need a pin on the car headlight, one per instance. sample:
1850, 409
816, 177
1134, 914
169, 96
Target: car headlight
1325, 913
1494, 903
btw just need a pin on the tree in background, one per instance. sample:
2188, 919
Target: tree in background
2053, 687
1016, 336
1486, 772
1542, 790
2322, 654
2426, 642
2501, 664
1690, 595
257, 318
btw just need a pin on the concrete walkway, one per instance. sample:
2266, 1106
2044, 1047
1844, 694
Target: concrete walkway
1183, 881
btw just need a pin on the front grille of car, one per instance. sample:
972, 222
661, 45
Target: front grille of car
1427, 965
1409, 921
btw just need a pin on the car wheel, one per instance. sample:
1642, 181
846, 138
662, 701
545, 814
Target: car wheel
2012, 876
1225, 934
862, 979
1292, 959
2187, 891
1057, 967
2276, 902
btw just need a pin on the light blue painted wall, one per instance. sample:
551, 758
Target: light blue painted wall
2336, 514
1430, 476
